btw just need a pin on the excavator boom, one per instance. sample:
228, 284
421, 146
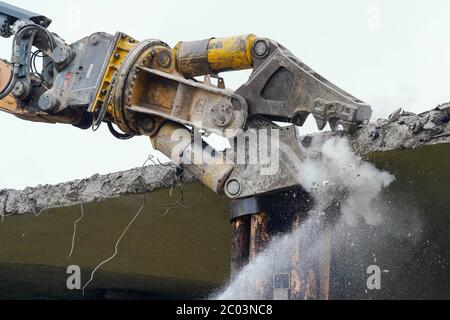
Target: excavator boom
148, 88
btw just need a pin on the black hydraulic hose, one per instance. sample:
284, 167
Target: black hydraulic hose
12, 83
101, 116
118, 135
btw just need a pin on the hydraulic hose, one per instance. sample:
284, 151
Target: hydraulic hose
12, 83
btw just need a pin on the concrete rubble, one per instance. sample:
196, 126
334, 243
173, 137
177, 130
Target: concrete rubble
403, 130
93, 189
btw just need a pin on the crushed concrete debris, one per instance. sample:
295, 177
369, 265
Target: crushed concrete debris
93, 189
395, 115
403, 130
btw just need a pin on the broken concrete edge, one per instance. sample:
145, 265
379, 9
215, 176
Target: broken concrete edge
94, 189
403, 130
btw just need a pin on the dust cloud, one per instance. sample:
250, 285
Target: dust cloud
347, 191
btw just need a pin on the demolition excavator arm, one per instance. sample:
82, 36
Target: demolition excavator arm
148, 88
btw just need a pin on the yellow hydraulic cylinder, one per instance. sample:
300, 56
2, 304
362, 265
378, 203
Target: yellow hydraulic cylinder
197, 58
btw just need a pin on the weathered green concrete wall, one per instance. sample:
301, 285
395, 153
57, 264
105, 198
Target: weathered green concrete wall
182, 254
414, 245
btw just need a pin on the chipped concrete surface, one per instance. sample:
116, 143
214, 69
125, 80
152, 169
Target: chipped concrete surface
403, 130
93, 189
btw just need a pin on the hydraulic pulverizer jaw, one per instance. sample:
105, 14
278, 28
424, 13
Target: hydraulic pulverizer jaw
280, 89
283, 88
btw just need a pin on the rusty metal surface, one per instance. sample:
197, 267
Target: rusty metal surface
259, 239
259, 234
192, 58
240, 244
310, 281
297, 285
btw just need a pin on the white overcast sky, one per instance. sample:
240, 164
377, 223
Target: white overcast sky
388, 53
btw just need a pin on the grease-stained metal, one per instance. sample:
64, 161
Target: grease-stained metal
197, 58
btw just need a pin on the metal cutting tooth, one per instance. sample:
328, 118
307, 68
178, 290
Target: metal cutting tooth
334, 124
321, 122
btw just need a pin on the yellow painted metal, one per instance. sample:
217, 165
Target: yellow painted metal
231, 53
5, 74
203, 57
123, 46
9, 103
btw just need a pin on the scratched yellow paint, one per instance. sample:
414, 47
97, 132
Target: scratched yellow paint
123, 47
231, 53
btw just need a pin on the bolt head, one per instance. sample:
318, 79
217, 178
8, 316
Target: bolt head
261, 48
233, 188
19, 89
164, 59
48, 102
148, 125
222, 114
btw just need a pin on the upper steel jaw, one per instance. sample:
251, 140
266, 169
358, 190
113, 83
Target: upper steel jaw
340, 114
283, 88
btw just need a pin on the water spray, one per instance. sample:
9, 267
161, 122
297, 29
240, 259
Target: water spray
290, 258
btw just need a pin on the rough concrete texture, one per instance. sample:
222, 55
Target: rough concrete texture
403, 130
93, 189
